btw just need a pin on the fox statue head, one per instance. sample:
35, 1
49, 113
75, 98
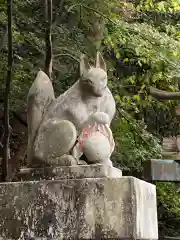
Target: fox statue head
93, 79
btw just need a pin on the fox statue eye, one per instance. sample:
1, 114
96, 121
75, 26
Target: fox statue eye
89, 81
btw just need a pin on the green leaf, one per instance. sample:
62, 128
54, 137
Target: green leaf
136, 98
126, 60
161, 6
118, 55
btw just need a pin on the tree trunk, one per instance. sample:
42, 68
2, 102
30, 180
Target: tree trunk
5, 165
164, 95
48, 40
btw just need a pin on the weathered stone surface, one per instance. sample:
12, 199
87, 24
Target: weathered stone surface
171, 148
40, 95
169, 144
69, 172
123, 208
162, 170
55, 139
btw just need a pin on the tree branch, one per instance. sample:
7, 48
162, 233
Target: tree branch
20, 119
132, 127
91, 9
66, 55
164, 95
48, 16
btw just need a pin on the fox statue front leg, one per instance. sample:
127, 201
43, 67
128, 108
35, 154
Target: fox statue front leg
53, 143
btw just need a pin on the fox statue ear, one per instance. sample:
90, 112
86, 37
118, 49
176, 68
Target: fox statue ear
100, 63
84, 65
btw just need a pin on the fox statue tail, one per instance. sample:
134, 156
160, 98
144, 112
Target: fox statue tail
40, 95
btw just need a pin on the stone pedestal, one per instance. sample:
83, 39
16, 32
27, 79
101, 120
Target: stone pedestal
69, 172
96, 207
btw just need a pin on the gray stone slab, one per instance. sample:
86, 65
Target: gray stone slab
106, 208
162, 170
69, 172
171, 238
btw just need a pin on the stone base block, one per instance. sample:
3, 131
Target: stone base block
69, 172
162, 170
101, 208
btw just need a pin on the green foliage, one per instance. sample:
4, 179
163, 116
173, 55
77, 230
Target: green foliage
169, 208
146, 52
146, 55
134, 144
73, 26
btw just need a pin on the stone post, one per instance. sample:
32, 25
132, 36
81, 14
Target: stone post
77, 202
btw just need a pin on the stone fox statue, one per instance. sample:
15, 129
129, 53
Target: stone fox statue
55, 124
